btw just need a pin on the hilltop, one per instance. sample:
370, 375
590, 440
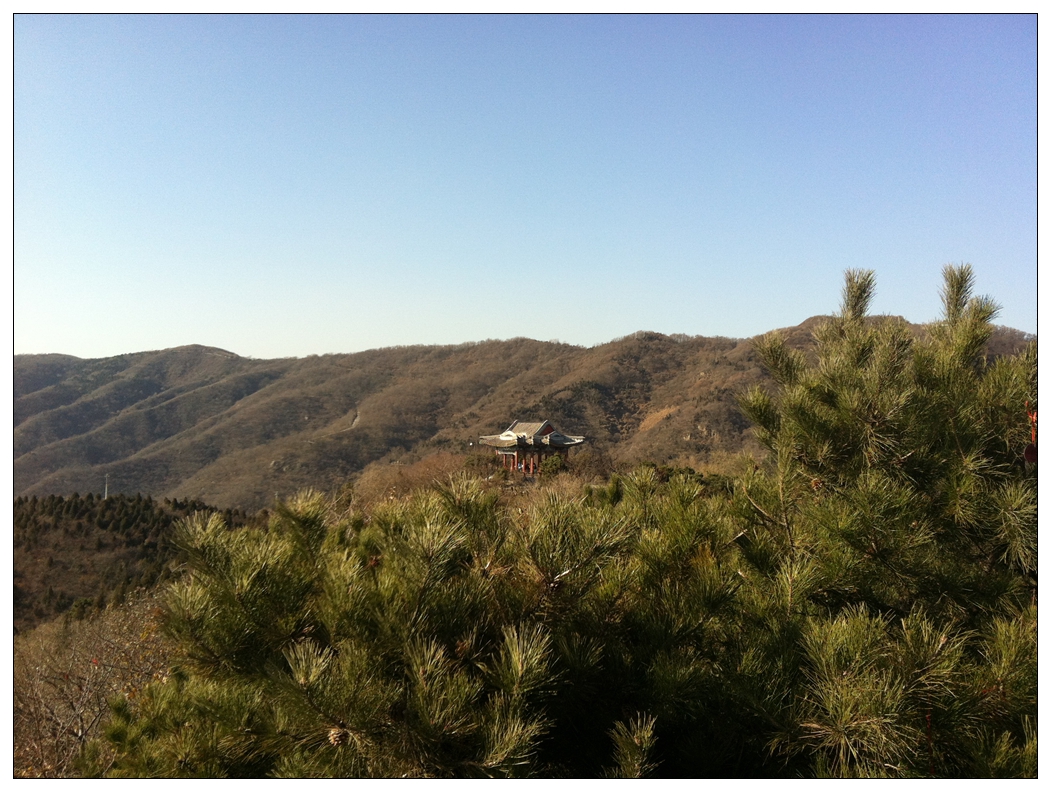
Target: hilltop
204, 423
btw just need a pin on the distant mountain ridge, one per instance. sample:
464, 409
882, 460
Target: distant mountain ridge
204, 423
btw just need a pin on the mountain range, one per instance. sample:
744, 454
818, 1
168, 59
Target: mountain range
204, 423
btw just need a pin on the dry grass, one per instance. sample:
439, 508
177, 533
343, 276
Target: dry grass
651, 420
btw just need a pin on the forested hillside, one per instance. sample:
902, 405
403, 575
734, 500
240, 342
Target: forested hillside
202, 423
87, 552
861, 603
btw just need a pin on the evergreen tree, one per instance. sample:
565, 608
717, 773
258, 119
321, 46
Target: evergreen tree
892, 545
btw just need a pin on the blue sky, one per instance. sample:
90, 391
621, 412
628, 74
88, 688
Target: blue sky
283, 186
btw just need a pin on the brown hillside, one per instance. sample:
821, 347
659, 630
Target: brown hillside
203, 423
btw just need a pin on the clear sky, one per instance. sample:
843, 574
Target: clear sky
283, 186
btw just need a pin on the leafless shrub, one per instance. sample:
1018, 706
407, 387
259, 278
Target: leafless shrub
389, 481
66, 670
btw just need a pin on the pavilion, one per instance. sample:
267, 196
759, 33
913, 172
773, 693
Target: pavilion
523, 446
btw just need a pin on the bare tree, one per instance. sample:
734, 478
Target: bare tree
66, 670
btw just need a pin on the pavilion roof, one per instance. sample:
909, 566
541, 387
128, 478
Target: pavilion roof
520, 434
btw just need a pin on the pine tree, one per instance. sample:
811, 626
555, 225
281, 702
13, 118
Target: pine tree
892, 539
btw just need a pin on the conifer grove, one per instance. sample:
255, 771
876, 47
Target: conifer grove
861, 602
